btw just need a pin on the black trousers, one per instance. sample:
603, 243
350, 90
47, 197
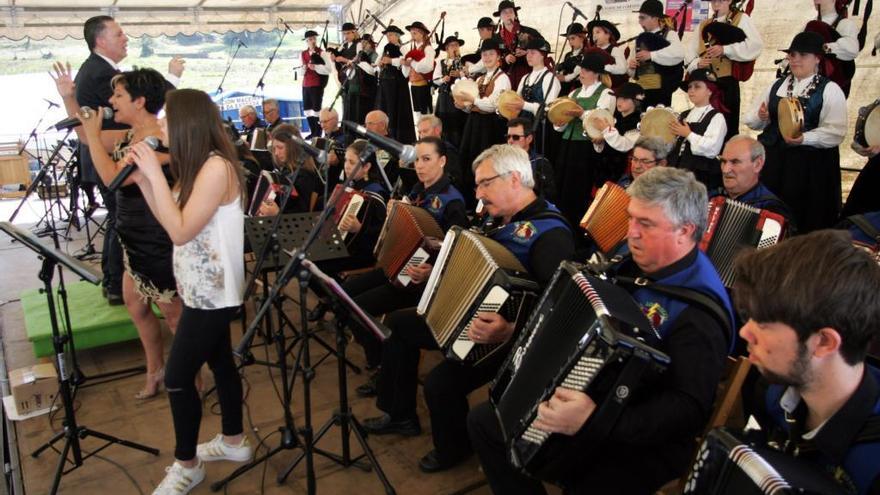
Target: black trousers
615, 469
421, 97
446, 386
202, 337
730, 88
312, 98
376, 296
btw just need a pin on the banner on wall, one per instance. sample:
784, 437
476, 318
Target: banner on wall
697, 12
628, 6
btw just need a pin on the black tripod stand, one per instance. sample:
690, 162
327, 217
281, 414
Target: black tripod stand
72, 432
345, 310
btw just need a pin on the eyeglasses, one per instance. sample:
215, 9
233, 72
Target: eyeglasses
642, 161
515, 137
482, 184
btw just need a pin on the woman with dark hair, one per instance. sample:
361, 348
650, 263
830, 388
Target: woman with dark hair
138, 96
203, 215
288, 156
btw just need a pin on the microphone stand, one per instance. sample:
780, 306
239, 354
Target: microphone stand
229, 66
41, 175
260, 83
294, 268
33, 133
372, 149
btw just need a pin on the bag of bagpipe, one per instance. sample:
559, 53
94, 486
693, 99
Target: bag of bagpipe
726, 465
733, 226
586, 334
474, 274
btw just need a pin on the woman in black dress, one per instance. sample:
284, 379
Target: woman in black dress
308, 189
138, 96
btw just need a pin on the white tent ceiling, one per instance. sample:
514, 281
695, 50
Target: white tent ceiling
61, 18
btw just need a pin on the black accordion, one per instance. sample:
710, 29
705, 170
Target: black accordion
727, 465
733, 226
473, 274
586, 334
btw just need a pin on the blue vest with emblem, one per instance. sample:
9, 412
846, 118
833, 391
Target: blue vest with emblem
860, 235
436, 203
518, 237
701, 276
812, 110
861, 465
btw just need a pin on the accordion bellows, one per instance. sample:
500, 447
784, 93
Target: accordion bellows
607, 220
473, 274
405, 240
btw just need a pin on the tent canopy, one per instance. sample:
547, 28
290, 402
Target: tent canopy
58, 19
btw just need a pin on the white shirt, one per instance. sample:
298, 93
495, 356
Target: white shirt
576, 72
832, 118
438, 71
607, 100
323, 70
550, 86
489, 103
168, 77
710, 143
847, 46
620, 142
619, 66
744, 51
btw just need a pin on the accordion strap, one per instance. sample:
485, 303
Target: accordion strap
861, 222
684, 294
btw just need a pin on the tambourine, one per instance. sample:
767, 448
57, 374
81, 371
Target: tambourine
592, 130
465, 87
508, 96
655, 123
790, 114
868, 125
557, 112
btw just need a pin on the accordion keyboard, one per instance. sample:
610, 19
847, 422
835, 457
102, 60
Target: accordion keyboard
419, 257
580, 376
463, 346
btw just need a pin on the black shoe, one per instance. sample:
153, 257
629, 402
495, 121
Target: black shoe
115, 299
383, 425
430, 464
318, 312
369, 389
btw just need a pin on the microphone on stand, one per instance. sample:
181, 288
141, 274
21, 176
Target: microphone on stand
153, 143
71, 122
577, 11
405, 153
318, 154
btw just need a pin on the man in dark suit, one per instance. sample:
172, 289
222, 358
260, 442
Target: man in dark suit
108, 46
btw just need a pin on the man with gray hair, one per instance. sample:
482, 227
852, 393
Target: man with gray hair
682, 295
648, 152
538, 235
741, 163
272, 114
250, 121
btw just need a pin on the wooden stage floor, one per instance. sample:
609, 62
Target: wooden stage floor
111, 408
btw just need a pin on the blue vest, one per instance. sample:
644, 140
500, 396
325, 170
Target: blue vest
860, 235
701, 276
812, 110
436, 203
377, 188
518, 237
861, 464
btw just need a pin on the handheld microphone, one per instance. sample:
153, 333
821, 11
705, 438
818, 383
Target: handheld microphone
405, 153
71, 122
318, 154
153, 143
577, 11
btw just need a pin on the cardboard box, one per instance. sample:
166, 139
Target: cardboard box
33, 387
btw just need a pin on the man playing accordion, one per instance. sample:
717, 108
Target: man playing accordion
653, 439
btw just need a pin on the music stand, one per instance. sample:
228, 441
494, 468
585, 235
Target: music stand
72, 432
346, 310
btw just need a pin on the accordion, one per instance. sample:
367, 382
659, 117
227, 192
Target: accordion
606, 220
473, 274
410, 236
726, 465
586, 334
734, 226
348, 205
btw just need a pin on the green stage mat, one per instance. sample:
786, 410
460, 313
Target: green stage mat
95, 323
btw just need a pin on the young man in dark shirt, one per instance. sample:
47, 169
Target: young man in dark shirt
813, 307
652, 442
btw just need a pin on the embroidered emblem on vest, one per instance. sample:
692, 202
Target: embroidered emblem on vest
524, 231
656, 314
436, 203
